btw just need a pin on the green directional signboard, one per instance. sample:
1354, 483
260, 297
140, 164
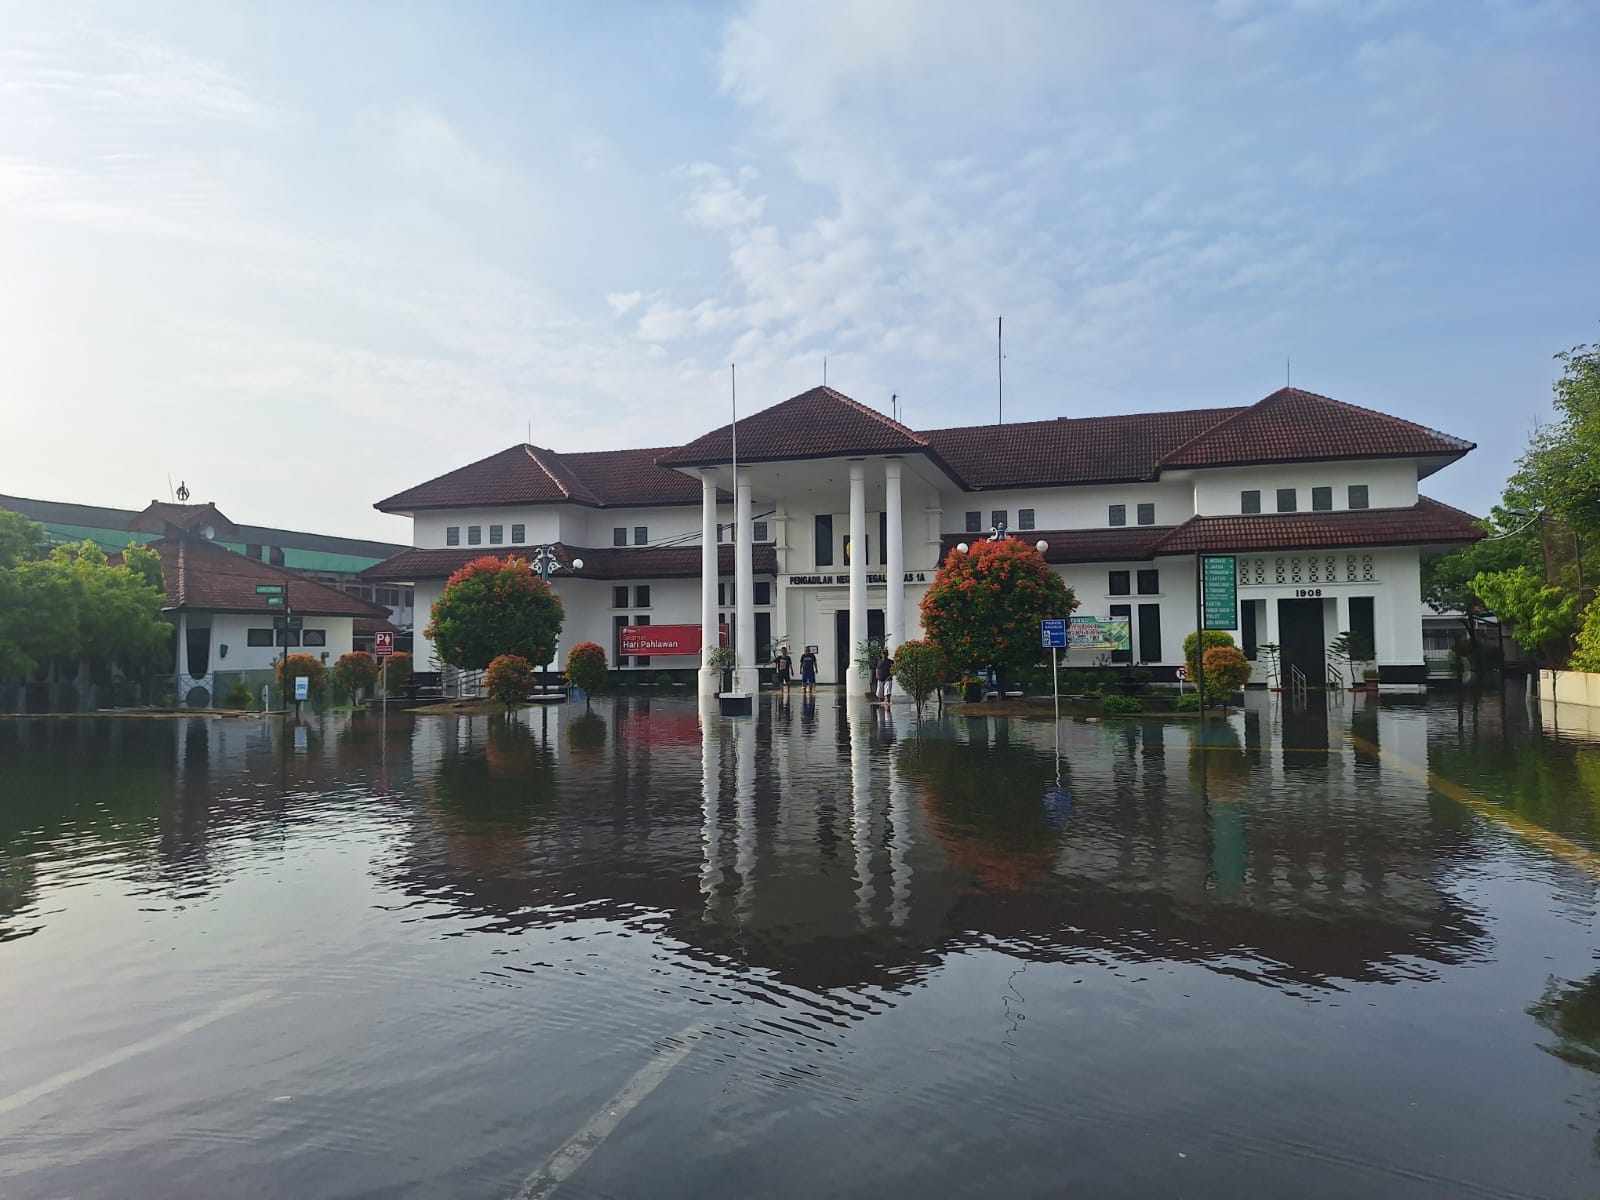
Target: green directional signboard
269, 589
1219, 575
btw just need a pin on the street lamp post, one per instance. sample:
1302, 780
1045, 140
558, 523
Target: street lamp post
545, 564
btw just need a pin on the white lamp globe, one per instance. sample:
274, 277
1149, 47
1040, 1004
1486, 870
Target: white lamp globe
577, 564
1041, 545
961, 546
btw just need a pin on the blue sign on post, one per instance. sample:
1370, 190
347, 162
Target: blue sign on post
302, 687
1053, 633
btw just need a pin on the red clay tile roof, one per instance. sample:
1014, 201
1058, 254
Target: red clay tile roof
599, 562
821, 423
1290, 425
1295, 426
1424, 524
1120, 544
1069, 450
532, 475
204, 577
161, 517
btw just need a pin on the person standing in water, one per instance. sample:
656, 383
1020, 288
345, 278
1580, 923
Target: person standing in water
808, 667
782, 667
883, 677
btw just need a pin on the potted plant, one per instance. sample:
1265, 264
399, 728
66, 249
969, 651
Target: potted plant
722, 659
1369, 679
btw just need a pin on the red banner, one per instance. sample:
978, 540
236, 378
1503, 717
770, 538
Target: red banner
663, 639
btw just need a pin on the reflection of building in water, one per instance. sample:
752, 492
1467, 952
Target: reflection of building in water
845, 852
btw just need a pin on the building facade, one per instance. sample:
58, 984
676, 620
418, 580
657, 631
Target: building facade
1316, 499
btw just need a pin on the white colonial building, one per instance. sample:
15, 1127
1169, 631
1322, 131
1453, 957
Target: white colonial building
1316, 499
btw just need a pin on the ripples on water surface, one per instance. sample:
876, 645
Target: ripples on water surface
812, 955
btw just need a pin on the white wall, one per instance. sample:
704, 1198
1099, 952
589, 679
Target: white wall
1085, 507
231, 629
543, 525
1391, 483
679, 521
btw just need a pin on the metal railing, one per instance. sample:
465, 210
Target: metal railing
1297, 683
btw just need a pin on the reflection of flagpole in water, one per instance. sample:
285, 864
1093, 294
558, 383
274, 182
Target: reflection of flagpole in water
900, 842
710, 826
744, 798
861, 819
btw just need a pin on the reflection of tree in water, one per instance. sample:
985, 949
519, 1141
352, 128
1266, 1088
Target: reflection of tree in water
17, 879
587, 732
1571, 1011
987, 809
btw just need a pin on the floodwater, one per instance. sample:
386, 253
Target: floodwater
1329, 953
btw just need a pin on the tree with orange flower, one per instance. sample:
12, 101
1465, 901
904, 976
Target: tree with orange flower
984, 606
494, 606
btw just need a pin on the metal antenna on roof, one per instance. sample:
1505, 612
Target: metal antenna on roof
824, 370
1000, 364
1286, 371
894, 410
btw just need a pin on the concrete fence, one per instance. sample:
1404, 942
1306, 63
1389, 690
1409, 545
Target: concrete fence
1570, 687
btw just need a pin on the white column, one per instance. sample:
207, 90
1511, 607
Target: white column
894, 614
854, 681
746, 678
181, 663
710, 681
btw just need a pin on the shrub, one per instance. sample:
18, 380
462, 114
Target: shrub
1227, 670
920, 669
1119, 706
287, 670
355, 671
395, 672
239, 695
495, 606
509, 679
1187, 702
983, 607
1214, 637
586, 668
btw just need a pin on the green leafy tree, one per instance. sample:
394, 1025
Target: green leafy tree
354, 672
984, 607
495, 606
921, 670
395, 672
586, 668
289, 668
20, 538
509, 679
1542, 618
1586, 657
1560, 471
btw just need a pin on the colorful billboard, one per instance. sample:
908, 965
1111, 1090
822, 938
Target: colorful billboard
1098, 633
663, 639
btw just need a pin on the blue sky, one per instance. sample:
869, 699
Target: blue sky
304, 255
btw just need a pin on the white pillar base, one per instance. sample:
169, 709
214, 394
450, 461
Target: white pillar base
710, 681
747, 679
856, 681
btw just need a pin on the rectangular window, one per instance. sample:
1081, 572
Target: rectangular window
641, 660
314, 637
1118, 583
1024, 518
1147, 514
519, 534
1250, 501
1363, 624
641, 535
1286, 500
288, 637
722, 595
452, 535
619, 536
474, 535
824, 536
1247, 627
883, 538
1122, 612
1321, 499
258, 637
1149, 632
762, 591
619, 597
1117, 514
497, 534
997, 519
641, 596
974, 522
763, 636
1358, 495
760, 534
1149, 583
617, 656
